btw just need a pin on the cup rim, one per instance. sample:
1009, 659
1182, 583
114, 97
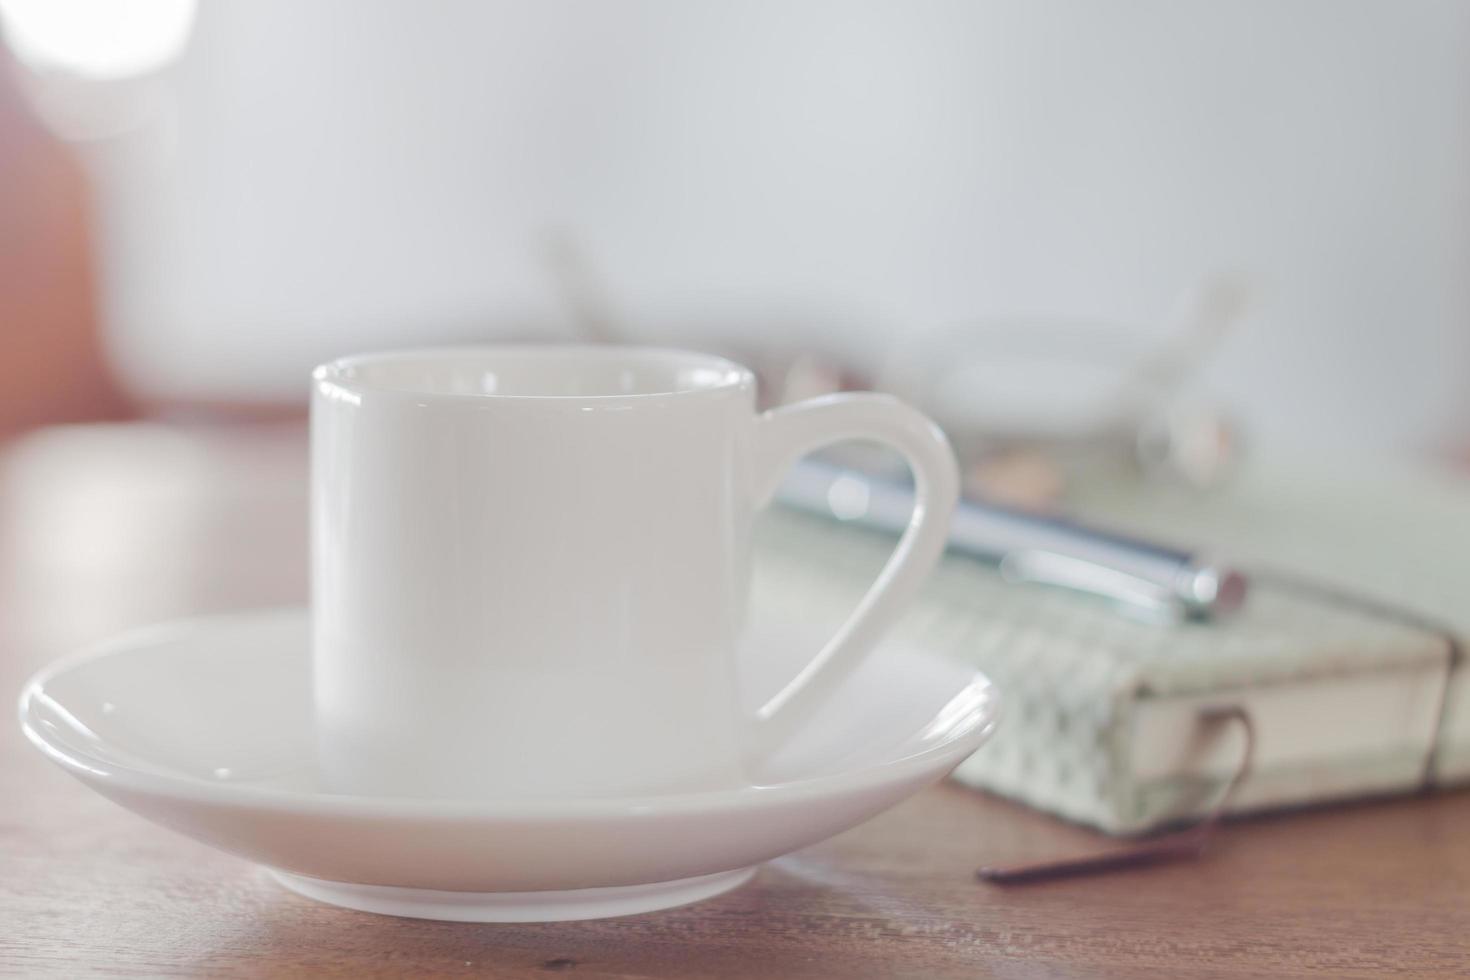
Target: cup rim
337, 374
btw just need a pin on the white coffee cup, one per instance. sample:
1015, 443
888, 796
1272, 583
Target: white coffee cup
530, 566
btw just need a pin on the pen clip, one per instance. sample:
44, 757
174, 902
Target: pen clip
1135, 596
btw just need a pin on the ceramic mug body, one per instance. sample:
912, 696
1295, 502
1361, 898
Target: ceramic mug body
530, 569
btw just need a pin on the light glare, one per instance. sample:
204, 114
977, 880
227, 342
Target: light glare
97, 38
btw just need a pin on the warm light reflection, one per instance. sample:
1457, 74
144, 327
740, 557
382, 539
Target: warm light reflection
97, 38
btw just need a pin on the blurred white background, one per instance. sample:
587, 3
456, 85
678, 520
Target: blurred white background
312, 178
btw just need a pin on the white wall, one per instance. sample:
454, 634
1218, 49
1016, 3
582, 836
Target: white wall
347, 173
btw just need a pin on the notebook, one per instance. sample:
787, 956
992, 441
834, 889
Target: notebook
1100, 712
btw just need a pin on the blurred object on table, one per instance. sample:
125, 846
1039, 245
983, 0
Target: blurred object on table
1026, 403
52, 365
1034, 405
1031, 404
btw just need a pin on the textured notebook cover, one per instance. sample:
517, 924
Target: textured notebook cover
1077, 679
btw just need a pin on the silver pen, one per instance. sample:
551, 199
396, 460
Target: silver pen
1147, 579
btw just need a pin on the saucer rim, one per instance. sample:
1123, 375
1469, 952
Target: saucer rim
194, 789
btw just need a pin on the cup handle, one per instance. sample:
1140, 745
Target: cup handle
784, 435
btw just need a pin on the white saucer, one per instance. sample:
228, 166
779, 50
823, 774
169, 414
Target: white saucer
206, 727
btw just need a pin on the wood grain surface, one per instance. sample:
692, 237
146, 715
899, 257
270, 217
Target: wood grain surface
198, 522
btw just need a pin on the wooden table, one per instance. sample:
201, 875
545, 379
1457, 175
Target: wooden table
108, 527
